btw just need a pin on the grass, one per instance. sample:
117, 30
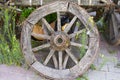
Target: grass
25, 13
84, 77
105, 59
10, 52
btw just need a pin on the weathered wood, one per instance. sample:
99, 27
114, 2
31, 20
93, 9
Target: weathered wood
75, 33
60, 60
70, 24
65, 61
34, 18
48, 57
58, 21
78, 45
60, 71
40, 36
93, 3
47, 25
25, 42
55, 61
41, 47
58, 74
113, 28
40, 32
28, 2
71, 56
116, 30
90, 55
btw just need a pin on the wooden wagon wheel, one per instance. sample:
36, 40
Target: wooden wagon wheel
114, 31
61, 47
113, 28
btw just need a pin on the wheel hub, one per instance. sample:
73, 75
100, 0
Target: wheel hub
60, 41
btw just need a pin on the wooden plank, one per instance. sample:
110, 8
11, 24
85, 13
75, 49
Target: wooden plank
41, 47
71, 56
75, 33
48, 57
27, 2
52, 74
78, 45
55, 61
45, 10
70, 24
41, 36
60, 54
58, 21
65, 61
26, 43
47, 25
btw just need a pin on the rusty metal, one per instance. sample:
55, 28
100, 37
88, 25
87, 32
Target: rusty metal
60, 41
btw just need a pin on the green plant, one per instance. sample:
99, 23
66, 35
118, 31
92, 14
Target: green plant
83, 42
93, 67
10, 52
112, 52
105, 59
25, 13
82, 39
51, 17
84, 77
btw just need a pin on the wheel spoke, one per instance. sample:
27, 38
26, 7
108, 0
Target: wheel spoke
70, 24
65, 61
58, 21
78, 45
76, 29
40, 36
41, 47
75, 33
60, 59
44, 29
71, 55
48, 57
47, 25
55, 61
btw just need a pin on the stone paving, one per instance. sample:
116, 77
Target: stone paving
105, 65
17, 73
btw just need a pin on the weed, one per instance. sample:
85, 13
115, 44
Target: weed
112, 52
51, 17
84, 77
93, 67
105, 59
83, 39
25, 13
10, 52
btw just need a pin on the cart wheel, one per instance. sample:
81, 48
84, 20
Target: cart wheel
112, 30
65, 52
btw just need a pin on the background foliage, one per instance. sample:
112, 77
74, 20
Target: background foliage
10, 52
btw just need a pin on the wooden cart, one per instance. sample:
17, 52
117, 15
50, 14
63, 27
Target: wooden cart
64, 48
